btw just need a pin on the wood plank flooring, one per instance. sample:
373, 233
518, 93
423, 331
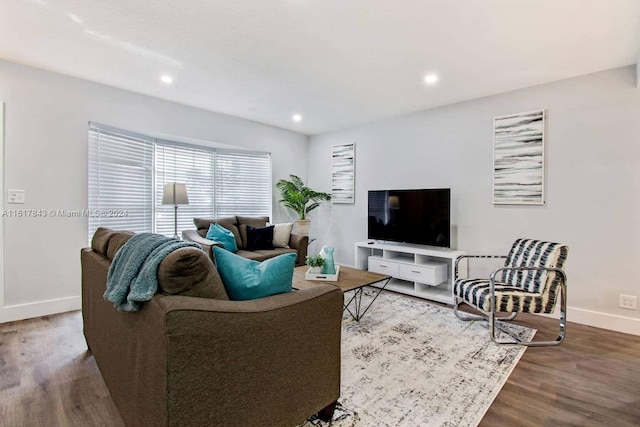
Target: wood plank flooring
591, 379
47, 378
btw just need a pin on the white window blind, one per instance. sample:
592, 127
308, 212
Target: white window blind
243, 183
193, 167
127, 172
120, 181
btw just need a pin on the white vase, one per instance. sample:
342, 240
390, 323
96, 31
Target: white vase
302, 226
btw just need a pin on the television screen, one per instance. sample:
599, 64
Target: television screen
411, 216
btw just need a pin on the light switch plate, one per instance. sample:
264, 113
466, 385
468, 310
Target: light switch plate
15, 196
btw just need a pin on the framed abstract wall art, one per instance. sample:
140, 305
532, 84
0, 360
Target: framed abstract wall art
518, 158
343, 173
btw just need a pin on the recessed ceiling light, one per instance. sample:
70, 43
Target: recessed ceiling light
166, 79
296, 117
430, 78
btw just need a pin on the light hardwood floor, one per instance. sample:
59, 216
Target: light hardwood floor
47, 378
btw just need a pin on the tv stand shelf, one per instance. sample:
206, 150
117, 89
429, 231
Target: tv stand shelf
421, 271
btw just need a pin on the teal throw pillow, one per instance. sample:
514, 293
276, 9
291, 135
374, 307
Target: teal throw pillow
245, 279
222, 235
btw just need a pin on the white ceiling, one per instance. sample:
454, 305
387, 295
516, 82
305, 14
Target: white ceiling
336, 62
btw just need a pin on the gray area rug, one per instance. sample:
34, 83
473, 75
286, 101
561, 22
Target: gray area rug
410, 363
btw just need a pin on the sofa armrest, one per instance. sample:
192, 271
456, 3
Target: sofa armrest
299, 243
278, 356
207, 245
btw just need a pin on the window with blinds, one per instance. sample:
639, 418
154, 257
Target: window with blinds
120, 181
243, 186
128, 171
193, 167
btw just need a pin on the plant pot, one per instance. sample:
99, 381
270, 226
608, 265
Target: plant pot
302, 226
315, 270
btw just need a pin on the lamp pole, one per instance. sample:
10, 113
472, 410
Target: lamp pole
175, 220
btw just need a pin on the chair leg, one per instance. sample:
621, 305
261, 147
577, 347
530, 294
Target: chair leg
466, 317
517, 341
326, 413
493, 325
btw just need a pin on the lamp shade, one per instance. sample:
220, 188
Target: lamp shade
175, 194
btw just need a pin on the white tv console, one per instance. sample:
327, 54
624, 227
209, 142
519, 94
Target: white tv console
421, 271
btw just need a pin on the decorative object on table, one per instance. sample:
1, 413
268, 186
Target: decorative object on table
300, 199
175, 194
343, 173
327, 253
315, 262
518, 159
323, 277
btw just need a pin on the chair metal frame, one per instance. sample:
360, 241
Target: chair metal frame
491, 315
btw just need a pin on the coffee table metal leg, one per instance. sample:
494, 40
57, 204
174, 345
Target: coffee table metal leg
357, 298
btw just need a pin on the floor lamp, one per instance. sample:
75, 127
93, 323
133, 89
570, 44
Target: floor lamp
175, 194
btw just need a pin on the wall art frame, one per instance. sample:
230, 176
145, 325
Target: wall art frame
518, 158
343, 162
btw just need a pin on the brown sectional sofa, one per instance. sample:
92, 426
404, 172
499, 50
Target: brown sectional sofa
238, 226
191, 357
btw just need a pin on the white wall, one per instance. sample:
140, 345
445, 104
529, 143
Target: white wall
593, 182
46, 124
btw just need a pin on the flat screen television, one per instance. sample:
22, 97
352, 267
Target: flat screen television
411, 216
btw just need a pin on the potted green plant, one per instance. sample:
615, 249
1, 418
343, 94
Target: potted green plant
315, 262
300, 199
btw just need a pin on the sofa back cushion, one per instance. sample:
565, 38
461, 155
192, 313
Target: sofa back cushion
118, 239
230, 223
106, 242
100, 240
190, 272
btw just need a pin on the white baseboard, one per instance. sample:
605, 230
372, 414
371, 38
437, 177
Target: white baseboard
37, 309
627, 325
612, 322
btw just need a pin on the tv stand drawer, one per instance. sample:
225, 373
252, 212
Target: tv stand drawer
432, 274
383, 266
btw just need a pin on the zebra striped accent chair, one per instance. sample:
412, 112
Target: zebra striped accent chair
531, 281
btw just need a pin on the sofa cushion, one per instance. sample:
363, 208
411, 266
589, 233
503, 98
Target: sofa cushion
117, 240
259, 238
223, 236
106, 242
230, 223
246, 279
271, 253
100, 240
282, 234
256, 256
256, 222
190, 272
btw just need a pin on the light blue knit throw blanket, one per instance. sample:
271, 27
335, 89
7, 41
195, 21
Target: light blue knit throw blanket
133, 274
